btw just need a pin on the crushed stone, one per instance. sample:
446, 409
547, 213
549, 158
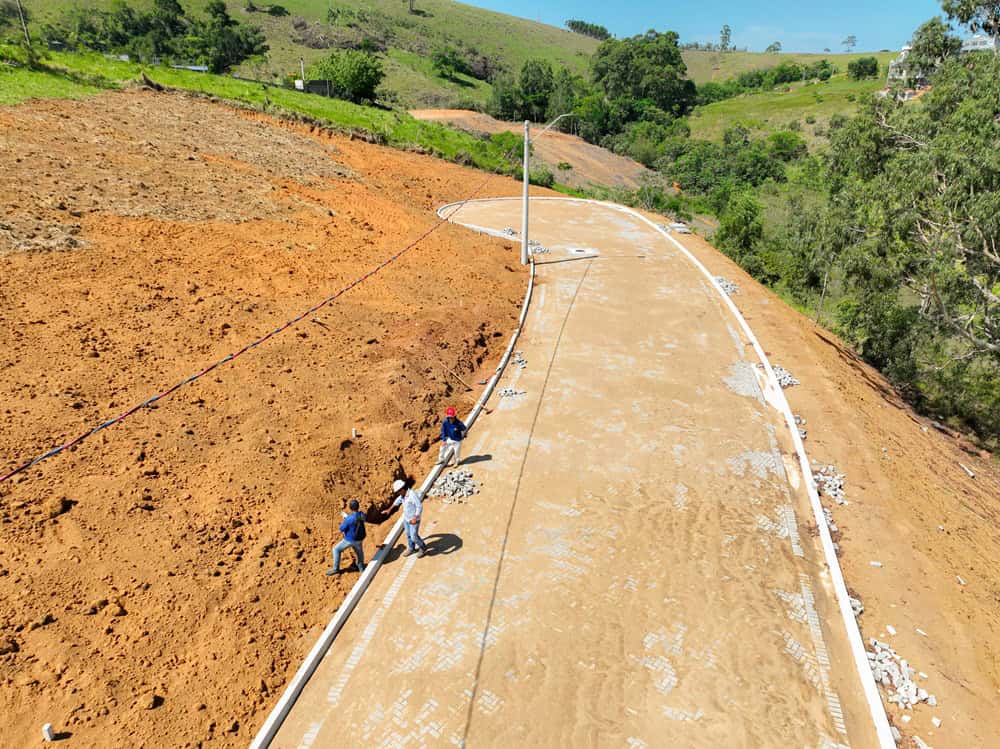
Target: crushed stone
830, 483
509, 392
801, 424
784, 377
519, 360
893, 673
727, 286
454, 487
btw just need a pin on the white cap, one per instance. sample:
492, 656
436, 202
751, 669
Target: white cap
398, 484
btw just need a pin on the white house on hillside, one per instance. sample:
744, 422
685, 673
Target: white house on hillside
980, 43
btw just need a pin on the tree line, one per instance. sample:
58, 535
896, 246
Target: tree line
165, 32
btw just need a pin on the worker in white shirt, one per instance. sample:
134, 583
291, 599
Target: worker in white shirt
412, 508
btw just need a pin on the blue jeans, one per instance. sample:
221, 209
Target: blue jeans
412, 537
359, 552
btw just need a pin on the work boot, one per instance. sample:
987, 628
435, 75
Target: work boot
408, 552
421, 553
331, 572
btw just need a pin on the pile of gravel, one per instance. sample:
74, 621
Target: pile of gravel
856, 606
508, 232
800, 423
727, 286
510, 392
519, 360
785, 378
829, 520
454, 487
893, 673
830, 484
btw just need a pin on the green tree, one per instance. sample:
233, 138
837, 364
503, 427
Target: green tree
741, 226
931, 45
773, 48
645, 67
536, 83
505, 99
863, 67
447, 61
725, 38
567, 90
850, 42
354, 75
978, 16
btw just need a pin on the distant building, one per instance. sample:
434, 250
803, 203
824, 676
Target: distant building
980, 43
901, 72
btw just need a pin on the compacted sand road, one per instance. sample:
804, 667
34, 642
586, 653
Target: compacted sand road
639, 569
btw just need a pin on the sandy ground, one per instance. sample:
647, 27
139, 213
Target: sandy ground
638, 569
161, 581
591, 164
911, 507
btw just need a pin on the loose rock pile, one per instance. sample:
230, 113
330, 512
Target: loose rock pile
727, 286
509, 392
454, 487
856, 606
536, 247
508, 232
893, 673
519, 360
830, 484
829, 520
800, 423
785, 378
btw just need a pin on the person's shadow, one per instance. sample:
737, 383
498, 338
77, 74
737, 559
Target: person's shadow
475, 459
443, 543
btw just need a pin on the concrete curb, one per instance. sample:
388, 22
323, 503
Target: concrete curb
269, 730
776, 397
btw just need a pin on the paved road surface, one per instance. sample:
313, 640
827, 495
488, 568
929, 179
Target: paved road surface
638, 570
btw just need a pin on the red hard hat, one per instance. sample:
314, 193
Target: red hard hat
450, 412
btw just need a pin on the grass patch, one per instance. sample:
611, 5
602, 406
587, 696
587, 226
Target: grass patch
773, 110
722, 66
19, 84
69, 75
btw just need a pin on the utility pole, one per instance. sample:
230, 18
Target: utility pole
24, 25
524, 207
302, 69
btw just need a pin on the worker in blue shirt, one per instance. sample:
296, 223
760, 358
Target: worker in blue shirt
353, 529
453, 432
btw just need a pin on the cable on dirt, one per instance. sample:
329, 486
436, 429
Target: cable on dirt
312, 310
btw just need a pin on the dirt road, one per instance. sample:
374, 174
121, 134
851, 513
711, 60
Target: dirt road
638, 569
588, 164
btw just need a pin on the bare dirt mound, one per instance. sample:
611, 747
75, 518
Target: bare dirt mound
909, 507
162, 580
590, 164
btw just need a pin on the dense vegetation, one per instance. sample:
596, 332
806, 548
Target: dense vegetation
897, 227
588, 29
165, 32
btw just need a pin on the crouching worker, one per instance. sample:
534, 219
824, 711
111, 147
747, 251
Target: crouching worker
412, 509
353, 529
452, 433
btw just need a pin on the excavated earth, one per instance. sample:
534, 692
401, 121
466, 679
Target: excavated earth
589, 164
162, 580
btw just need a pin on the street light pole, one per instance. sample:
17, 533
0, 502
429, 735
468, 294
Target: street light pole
524, 200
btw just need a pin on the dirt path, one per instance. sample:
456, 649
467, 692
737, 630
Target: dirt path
590, 164
638, 569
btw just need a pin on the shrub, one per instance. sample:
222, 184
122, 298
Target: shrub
354, 74
863, 67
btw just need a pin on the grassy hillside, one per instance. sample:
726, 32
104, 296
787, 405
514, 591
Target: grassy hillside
410, 38
721, 66
775, 110
78, 75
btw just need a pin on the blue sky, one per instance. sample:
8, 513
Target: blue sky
799, 25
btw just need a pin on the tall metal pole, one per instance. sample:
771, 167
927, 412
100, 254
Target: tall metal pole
24, 25
524, 209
